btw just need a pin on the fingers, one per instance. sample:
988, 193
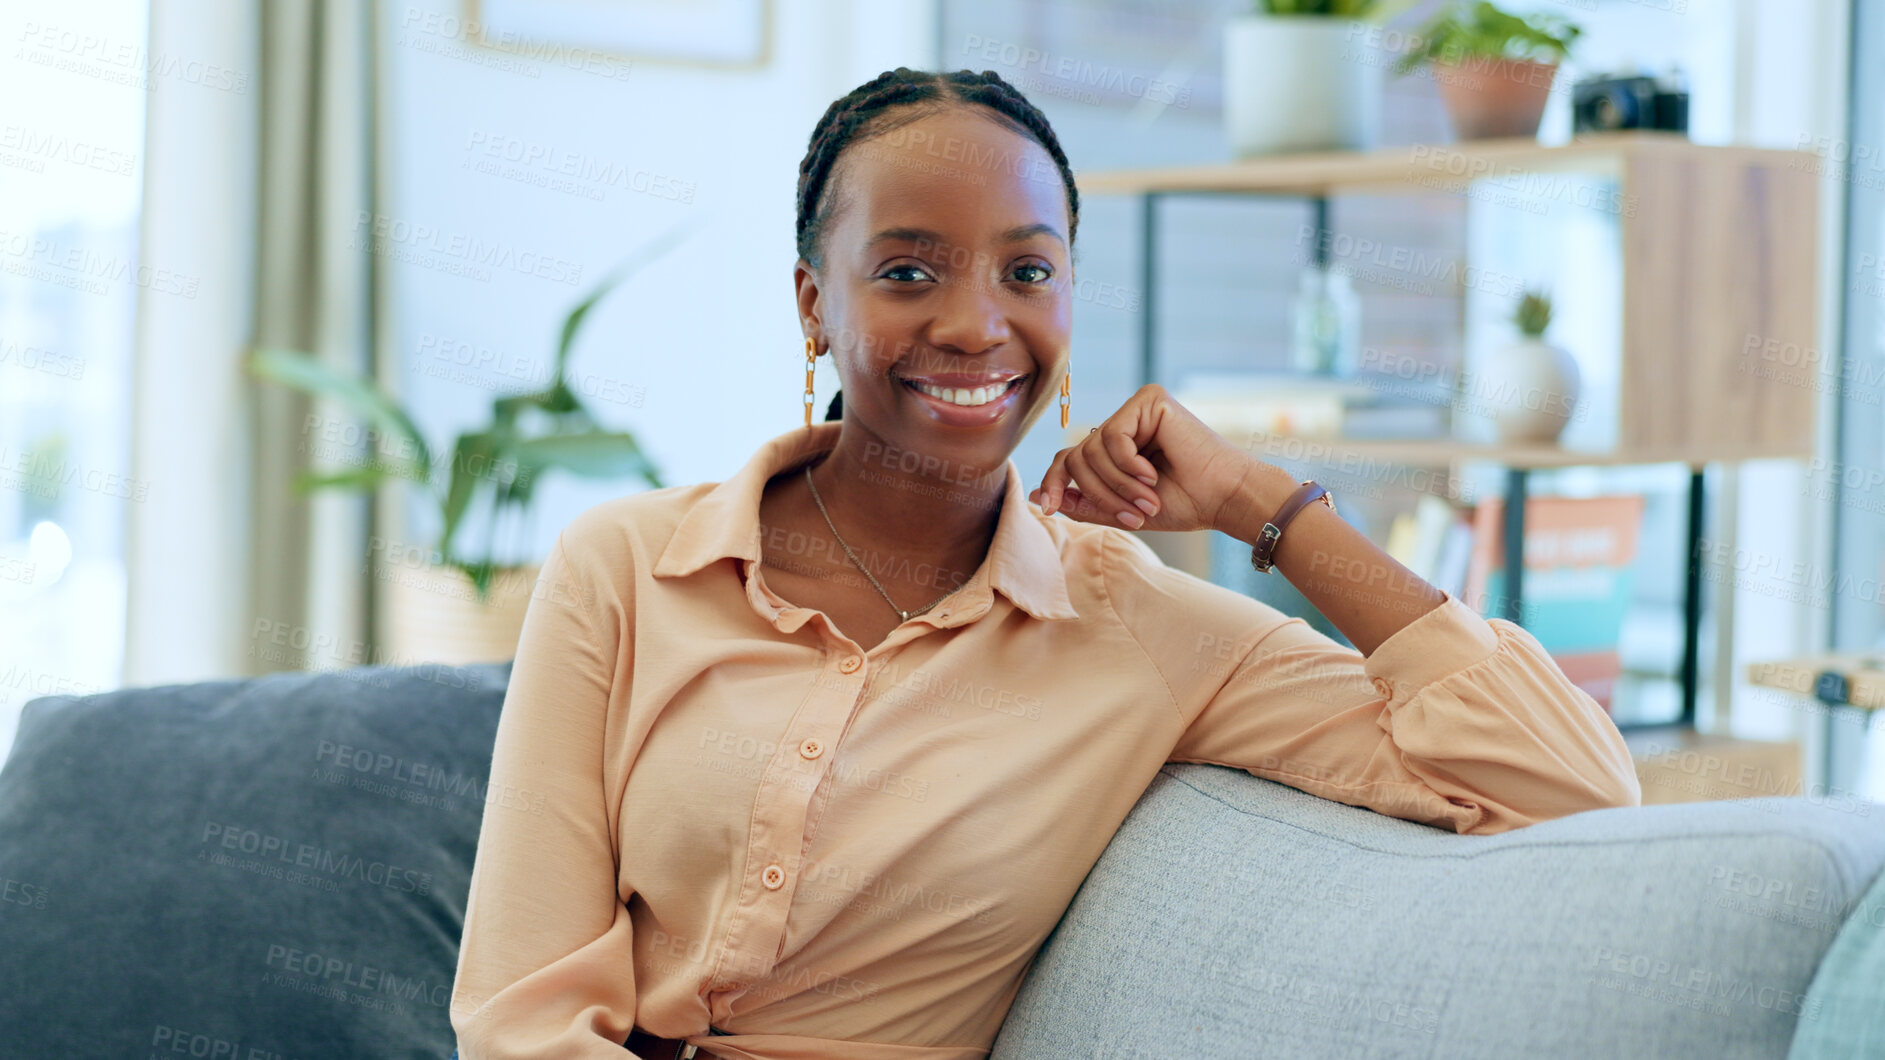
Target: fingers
1102, 483
1126, 475
1053, 485
1090, 481
1124, 452
1059, 493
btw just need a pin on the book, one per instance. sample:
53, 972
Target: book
1402, 542
1321, 406
1579, 578
1395, 421
1433, 520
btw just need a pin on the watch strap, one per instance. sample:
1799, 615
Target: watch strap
1263, 552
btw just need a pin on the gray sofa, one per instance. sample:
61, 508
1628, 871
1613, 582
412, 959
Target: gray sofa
277, 866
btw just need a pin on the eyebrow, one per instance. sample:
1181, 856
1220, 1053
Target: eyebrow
1016, 234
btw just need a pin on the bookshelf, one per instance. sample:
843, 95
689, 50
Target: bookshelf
1700, 298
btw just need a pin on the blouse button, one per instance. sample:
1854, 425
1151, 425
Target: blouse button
773, 877
850, 664
811, 748
1381, 686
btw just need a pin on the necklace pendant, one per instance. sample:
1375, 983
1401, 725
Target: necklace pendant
859, 564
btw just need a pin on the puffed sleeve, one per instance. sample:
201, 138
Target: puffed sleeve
545, 967
1456, 720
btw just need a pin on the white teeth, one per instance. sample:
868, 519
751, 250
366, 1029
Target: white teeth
958, 396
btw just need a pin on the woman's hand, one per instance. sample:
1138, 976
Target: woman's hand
1153, 465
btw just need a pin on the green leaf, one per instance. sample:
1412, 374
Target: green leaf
1460, 31
480, 572
359, 478
1533, 314
473, 455
595, 454
362, 397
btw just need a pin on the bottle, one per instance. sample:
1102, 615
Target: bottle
1326, 337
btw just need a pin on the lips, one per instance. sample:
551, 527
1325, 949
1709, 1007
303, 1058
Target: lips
960, 400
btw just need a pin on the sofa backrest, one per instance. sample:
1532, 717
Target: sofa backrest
1235, 917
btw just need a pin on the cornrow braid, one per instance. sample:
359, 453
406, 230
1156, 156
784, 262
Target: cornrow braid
862, 114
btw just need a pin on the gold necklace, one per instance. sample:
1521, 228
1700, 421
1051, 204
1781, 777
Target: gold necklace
906, 615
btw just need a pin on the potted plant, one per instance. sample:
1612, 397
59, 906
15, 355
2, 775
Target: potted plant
456, 602
1494, 68
1530, 386
1303, 75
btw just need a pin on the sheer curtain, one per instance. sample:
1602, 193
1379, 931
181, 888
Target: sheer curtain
262, 187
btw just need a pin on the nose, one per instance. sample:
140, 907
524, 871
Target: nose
970, 320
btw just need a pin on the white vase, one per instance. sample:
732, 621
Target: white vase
1529, 390
1300, 83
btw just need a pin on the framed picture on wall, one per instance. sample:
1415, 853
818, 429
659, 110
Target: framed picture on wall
1099, 54
726, 33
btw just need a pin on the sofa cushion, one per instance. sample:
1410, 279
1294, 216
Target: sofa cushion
1235, 917
267, 867
1847, 1000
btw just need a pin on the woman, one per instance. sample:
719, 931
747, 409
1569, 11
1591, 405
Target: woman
807, 763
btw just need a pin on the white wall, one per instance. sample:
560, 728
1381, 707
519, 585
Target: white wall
707, 342
187, 547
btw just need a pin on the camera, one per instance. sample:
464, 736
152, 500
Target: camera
1603, 104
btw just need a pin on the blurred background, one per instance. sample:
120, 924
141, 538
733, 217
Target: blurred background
319, 320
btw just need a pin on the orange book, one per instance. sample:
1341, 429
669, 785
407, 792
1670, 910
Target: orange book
1580, 555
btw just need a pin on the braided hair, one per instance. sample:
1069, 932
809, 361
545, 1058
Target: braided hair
865, 112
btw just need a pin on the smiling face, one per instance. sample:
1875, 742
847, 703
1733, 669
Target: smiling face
944, 287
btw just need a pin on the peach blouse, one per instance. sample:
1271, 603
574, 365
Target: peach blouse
720, 811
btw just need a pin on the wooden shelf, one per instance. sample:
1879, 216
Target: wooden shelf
1865, 686
1420, 168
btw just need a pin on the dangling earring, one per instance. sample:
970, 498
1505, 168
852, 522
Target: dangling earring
1066, 385
810, 360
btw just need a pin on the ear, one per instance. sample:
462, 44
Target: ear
805, 290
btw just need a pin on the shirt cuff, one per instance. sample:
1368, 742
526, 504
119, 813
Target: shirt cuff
1435, 646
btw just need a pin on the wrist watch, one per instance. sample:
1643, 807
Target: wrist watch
1262, 553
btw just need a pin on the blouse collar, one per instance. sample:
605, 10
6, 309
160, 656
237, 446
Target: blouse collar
1023, 560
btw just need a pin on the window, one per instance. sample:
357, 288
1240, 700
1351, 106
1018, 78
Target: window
1857, 477
71, 172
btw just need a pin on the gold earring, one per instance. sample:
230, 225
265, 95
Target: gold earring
1066, 385
810, 360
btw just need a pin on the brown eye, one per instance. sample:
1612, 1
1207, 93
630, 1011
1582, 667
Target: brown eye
1032, 272
911, 273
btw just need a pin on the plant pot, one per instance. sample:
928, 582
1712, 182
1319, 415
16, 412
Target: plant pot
1529, 389
1494, 98
1300, 83
434, 614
